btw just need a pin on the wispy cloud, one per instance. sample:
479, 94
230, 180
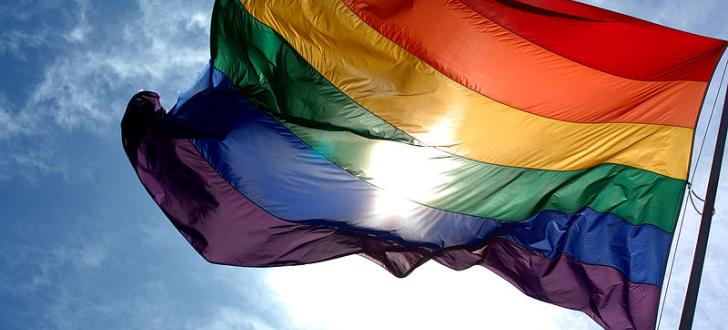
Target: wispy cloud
15, 43
39, 159
8, 125
93, 271
79, 32
74, 277
85, 86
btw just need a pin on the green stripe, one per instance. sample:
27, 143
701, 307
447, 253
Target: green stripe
508, 193
269, 72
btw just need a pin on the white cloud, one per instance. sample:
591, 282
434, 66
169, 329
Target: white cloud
79, 32
68, 95
94, 271
15, 42
85, 88
353, 293
8, 125
88, 88
39, 159
231, 318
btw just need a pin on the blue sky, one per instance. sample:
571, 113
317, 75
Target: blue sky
85, 247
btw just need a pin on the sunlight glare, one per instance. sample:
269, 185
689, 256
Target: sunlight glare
408, 176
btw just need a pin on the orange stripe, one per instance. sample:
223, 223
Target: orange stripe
406, 92
497, 63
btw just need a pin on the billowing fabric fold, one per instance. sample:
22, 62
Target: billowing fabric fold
499, 63
295, 183
546, 141
611, 42
410, 95
227, 228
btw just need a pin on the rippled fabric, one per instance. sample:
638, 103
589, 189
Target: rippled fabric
404, 91
227, 228
510, 193
298, 184
485, 133
617, 44
492, 60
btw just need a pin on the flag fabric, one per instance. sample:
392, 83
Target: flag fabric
548, 141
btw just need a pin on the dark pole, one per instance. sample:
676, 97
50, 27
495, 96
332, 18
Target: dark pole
691, 297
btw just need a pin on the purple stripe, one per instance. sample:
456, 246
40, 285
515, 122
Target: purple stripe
267, 163
219, 222
227, 228
601, 292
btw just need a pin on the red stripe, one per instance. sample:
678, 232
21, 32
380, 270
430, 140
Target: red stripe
505, 67
605, 40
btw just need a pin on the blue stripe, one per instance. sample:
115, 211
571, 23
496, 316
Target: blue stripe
268, 164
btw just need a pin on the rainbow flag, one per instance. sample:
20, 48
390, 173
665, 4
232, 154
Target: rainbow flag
548, 141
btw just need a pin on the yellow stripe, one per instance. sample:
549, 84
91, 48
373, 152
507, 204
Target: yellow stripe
398, 87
